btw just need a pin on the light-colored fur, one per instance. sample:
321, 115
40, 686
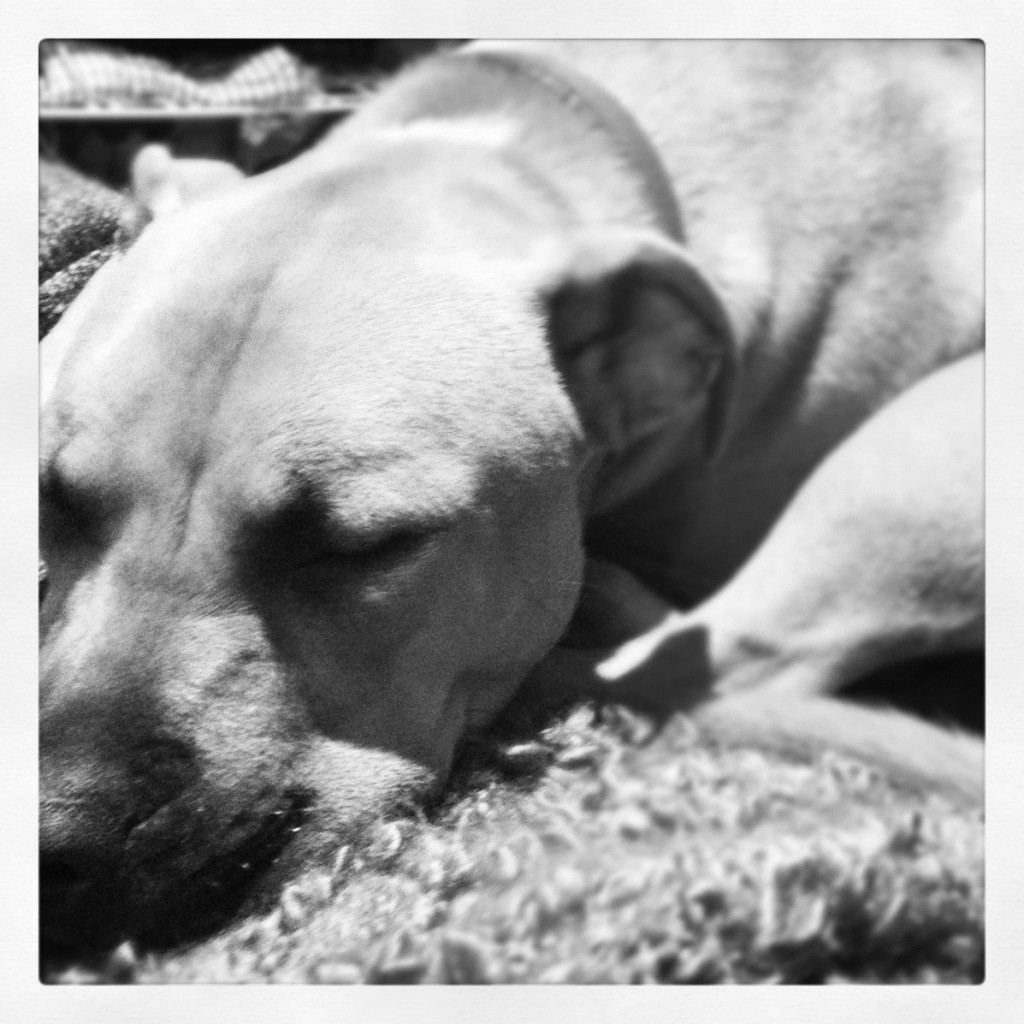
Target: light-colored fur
328, 455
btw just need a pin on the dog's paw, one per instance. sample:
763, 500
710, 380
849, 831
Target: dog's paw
662, 670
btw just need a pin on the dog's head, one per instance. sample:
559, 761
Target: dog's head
312, 497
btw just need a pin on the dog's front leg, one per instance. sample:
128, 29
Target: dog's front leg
878, 559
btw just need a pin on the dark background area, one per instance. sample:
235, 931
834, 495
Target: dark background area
329, 55
104, 146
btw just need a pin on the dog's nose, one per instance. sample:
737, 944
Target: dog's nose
70, 879
90, 799
79, 874
77, 839
89, 804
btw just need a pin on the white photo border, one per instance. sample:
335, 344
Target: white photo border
998, 23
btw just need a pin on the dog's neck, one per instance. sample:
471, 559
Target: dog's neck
571, 141
590, 101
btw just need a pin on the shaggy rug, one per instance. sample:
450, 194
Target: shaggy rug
594, 849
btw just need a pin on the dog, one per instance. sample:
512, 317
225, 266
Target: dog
652, 364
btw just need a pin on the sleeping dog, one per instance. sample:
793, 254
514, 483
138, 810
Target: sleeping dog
655, 364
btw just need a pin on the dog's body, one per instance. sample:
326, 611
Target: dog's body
327, 451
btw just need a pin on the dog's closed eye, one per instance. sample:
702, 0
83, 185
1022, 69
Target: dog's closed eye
370, 553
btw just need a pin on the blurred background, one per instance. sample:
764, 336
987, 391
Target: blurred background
255, 102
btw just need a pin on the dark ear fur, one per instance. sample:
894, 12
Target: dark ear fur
641, 338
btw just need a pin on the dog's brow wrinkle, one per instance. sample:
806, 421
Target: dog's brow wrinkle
291, 516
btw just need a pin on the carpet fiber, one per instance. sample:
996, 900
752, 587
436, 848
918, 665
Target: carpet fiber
597, 852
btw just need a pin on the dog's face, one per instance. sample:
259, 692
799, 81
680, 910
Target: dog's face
311, 508
302, 531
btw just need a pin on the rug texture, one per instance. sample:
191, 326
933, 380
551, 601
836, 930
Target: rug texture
595, 849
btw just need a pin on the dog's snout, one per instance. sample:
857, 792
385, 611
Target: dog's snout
76, 834
158, 771
79, 875
67, 875
90, 801
63, 871
88, 811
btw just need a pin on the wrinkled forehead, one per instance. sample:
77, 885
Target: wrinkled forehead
329, 340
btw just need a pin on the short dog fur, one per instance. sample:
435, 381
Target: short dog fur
671, 352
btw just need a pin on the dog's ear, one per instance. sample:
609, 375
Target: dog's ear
163, 183
640, 336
